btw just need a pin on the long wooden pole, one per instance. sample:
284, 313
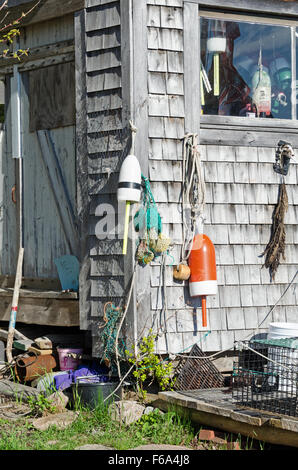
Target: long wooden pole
17, 154
14, 305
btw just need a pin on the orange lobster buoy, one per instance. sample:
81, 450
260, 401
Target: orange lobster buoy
203, 278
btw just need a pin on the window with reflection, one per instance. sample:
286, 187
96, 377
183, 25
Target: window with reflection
247, 69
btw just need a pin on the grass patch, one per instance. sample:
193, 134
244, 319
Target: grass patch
97, 427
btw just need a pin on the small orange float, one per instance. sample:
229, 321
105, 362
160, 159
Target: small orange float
203, 278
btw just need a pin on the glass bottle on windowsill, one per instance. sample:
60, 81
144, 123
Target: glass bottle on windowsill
265, 115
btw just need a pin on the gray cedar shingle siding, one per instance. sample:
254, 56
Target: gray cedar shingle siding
241, 193
105, 150
241, 189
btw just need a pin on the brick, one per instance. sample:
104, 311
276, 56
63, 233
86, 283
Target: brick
233, 446
206, 435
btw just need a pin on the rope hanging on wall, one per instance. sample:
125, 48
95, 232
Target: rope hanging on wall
193, 193
275, 250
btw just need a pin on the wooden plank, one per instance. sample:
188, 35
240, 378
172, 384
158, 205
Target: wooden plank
31, 283
38, 294
169, 3
105, 16
40, 52
192, 68
141, 307
104, 122
107, 266
112, 287
44, 11
104, 80
268, 125
83, 198
43, 311
52, 97
94, 3
103, 101
171, 17
245, 138
214, 407
59, 189
278, 7
101, 40
103, 60
44, 237
165, 39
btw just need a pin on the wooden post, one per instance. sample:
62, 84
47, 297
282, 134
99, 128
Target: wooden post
14, 305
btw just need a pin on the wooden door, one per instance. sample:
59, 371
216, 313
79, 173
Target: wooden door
49, 169
8, 208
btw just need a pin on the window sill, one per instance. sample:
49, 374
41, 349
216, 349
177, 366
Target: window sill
251, 123
243, 131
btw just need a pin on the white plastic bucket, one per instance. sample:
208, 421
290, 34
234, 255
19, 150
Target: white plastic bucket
280, 331
68, 359
283, 330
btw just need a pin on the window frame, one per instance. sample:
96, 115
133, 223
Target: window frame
235, 130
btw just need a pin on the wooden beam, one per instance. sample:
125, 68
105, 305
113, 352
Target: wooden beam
261, 7
31, 283
244, 138
140, 104
44, 10
42, 311
192, 67
39, 294
264, 125
50, 51
15, 390
83, 198
214, 407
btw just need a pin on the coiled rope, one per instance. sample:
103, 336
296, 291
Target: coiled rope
193, 193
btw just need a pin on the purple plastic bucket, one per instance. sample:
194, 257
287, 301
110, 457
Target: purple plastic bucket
69, 359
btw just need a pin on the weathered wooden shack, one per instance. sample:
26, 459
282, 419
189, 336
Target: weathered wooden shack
93, 67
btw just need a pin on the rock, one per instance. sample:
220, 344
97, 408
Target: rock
93, 447
59, 401
161, 447
126, 411
61, 420
43, 343
151, 409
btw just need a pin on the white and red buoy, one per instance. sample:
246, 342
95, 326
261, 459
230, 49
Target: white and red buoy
203, 278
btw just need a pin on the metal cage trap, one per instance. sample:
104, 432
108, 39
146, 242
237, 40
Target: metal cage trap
265, 376
197, 372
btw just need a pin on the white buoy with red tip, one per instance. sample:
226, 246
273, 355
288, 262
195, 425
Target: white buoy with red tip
203, 278
129, 186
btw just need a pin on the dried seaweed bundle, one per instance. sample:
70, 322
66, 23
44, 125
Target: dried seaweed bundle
276, 246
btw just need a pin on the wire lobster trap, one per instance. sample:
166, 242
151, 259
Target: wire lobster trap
265, 377
197, 372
